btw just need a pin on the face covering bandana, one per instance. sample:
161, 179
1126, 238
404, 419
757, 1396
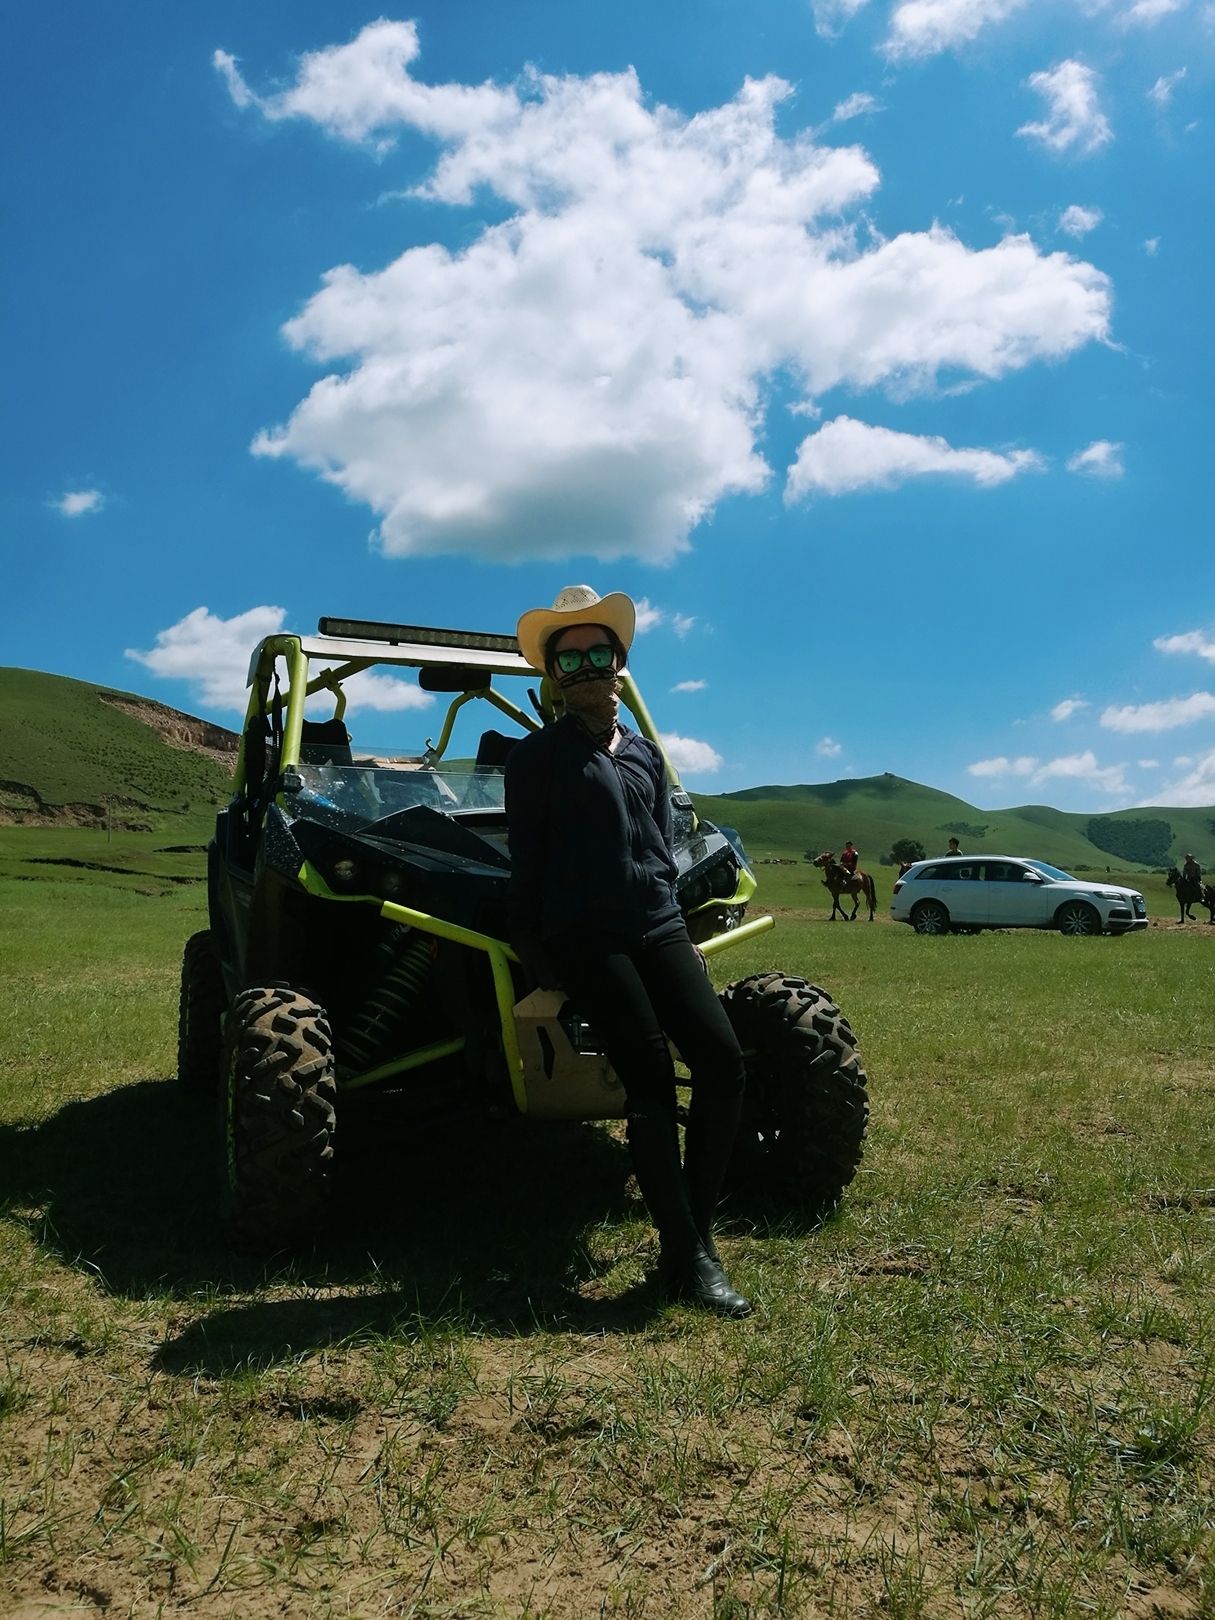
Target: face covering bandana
592, 695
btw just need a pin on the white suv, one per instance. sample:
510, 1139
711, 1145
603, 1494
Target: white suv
963, 894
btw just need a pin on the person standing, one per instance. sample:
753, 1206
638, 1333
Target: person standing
954, 847
592, 907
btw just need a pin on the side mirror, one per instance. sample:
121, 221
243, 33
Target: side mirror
1031, 877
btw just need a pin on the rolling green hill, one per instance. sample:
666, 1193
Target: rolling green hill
875, 810
66, 747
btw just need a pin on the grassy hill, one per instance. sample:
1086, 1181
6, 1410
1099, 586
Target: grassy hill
875, 810
67, 746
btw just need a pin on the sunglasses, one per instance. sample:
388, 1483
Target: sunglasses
571, 659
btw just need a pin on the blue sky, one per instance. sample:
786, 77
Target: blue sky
865, 343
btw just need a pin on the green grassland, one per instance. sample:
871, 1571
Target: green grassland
985, 1387
62, 743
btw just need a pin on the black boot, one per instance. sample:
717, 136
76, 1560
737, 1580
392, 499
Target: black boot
688, 1272
708, 1142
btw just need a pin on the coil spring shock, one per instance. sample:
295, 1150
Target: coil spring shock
409, 959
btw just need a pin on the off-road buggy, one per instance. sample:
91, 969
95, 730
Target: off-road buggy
357, 939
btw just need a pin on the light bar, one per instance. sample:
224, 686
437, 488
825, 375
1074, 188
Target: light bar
415, 635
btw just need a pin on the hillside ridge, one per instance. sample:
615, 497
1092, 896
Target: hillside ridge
73, 752
78, 754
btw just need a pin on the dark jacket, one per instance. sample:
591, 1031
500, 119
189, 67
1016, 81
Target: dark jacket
590, 837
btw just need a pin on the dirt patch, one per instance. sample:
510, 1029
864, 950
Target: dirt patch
123, 871
23, 806
180, 730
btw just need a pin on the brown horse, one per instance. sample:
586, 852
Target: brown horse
1189, 893
839, 880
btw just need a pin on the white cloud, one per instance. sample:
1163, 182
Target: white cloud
855, 106
685, 261
1152, 246
1162, 91
830, 16
846, 455
78, 502
1101, 459
648, 616
1083, 768
1003, 766
1190, 641
690, 757
1148, 764
1147, 13
1074, 117
213, 655
1078, 221
1067, 767
1196, 787
829, 748
926, 27
384, 693
356, 90
689, 686
1068, 707
1164, 716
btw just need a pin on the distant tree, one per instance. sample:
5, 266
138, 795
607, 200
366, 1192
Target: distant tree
965, 829
907, 849
1146, 840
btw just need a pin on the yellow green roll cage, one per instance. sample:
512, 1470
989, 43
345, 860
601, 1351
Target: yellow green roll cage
345, 658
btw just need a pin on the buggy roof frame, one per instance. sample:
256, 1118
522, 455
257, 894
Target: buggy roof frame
338, 650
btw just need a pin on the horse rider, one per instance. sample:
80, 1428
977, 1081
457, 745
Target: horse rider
1191, 872
849, 856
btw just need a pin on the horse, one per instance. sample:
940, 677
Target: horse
1188, 893
838, 880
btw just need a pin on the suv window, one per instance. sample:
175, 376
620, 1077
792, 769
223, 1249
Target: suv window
1003, 872
949, 871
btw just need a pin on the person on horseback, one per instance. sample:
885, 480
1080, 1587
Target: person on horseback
1191, 872
849, 857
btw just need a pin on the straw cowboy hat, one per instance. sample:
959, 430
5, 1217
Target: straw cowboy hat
576, 604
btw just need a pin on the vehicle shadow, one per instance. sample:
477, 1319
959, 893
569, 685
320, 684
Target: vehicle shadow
471, 1221
460, 1225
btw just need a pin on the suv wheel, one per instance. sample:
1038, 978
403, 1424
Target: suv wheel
805, 1109
279, 1118
930, 917
200, 1018
1075, 917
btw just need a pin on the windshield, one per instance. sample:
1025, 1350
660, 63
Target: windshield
354, 796
1052, 872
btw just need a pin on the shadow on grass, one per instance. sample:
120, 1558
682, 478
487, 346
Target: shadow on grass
469, 1225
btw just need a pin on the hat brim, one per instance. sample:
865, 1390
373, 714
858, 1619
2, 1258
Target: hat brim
535, 628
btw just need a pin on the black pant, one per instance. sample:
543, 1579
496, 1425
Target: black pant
635, 994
